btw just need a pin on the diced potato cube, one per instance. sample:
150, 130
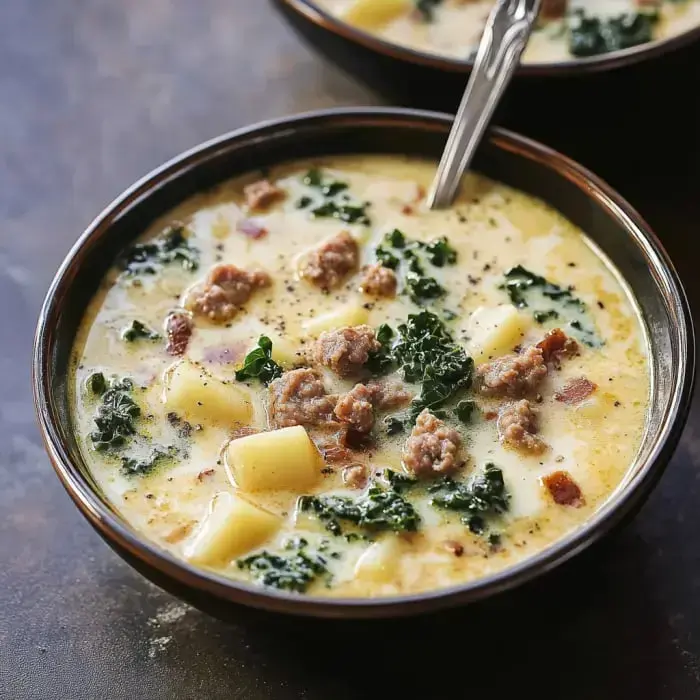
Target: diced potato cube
349, 315
283, 352
495, 331
198, 397
279, 460
370, 14
379, 561
232, 527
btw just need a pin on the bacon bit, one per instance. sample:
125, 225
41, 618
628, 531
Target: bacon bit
355, 476
336, 454
260, 194
179, 533
490, 415
576, 391
178, 328
454, 547
243, 431
407, 209
205, 473
554, 9
555, 345
251, 228
563, 489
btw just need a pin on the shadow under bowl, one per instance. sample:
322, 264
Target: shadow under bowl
589, 203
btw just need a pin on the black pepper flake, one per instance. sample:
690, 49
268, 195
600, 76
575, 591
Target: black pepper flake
617, 403
327, 470
486, 267
601, 305
571, 264
473, 280
219, 247
290, 288
462, 219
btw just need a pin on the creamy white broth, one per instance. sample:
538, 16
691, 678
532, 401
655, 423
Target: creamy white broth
455, 26
492, 228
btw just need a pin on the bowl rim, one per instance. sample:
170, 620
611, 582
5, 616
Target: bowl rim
311, 11
117, 531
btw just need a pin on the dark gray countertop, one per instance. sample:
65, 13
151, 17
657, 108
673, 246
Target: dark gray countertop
93, 94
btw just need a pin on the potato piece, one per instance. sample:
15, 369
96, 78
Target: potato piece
232, 526
348, 315
279, 460
283, 352
198, 397
372, 14
379, 561
495, 331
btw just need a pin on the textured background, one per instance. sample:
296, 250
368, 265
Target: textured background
93, 94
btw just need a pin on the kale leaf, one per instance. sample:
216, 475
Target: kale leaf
290, 572
465, 410
380, 361
349, 213
136, 330
378, 509
330, 207
386, 259
171, 246
426, 9
131, 466
258, 363
440, 253
591, 36
96, 383
483, 497
115, 416
426, 354
421, 287
525, 287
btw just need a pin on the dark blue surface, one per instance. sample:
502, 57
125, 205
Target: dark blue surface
93, 94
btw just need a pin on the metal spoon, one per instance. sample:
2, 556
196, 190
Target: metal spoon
505, 36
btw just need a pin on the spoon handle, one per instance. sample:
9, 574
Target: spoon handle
505, 36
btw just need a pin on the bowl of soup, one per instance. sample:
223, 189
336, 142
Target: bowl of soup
429, 46
269, 375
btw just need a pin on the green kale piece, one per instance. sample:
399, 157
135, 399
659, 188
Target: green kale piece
136, 330
258, 363
115, 416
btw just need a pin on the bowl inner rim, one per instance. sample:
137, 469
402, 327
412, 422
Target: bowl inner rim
312, 11
104, 515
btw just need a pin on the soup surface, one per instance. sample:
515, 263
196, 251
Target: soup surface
308, 380
565, 29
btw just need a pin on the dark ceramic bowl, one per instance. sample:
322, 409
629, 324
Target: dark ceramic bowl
399, 71
614, 226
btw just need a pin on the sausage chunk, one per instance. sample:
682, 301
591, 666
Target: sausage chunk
224, 291
261, 194
331, 262
388, 395
553, 9
563, 489
556, 345
514, 375
356, 409
178, 328
345, 350
517, 426
575, 391
299, 398
432, 447
378, 281
355, 476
